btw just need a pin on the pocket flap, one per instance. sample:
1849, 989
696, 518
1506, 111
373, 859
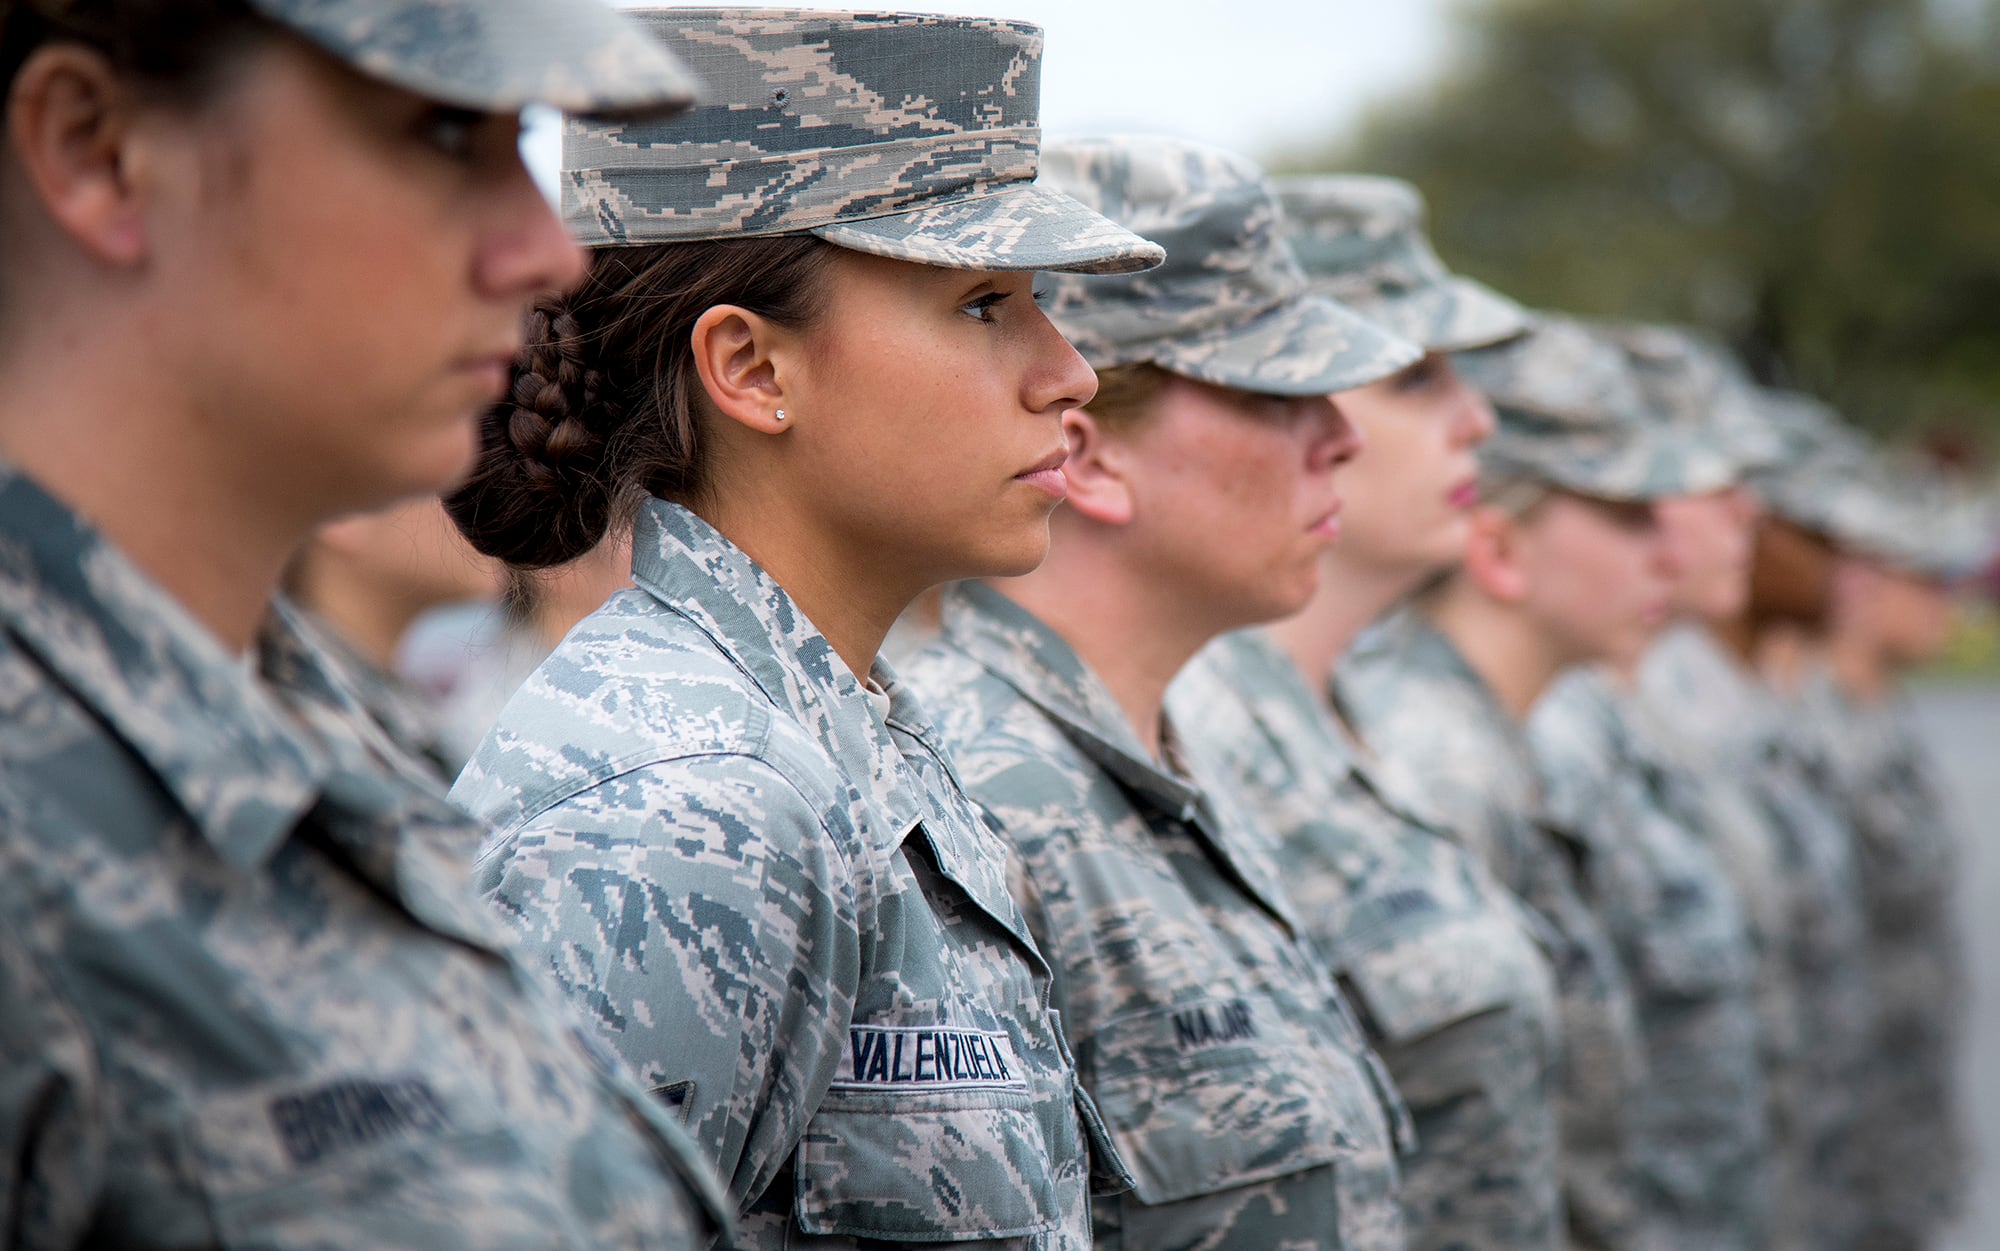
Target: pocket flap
1209, 1096
1424, 979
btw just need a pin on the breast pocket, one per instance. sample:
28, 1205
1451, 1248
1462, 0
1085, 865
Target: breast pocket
1208, 1096
1450, 968
930, 1135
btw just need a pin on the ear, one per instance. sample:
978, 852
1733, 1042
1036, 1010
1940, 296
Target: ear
740, 357
1097, 471
70, 121
1493, 553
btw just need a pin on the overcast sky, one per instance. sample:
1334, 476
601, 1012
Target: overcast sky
1256, 76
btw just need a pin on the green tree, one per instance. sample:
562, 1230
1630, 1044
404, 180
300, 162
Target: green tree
1816, 180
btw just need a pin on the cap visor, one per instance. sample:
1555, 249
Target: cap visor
1662, 463
1024, 227
500, 55
1309, 346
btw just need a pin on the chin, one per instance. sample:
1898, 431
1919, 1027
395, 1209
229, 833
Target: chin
1012, 555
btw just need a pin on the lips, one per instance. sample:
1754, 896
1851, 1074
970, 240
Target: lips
1046, 474
1328, 525
1465, 495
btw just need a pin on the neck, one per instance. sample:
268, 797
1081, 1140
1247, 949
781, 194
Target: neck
846, 596
372, 623
1502, 646
1350, 599
1131, 629
1784, 656
1738, 636
1859, 671
96, 429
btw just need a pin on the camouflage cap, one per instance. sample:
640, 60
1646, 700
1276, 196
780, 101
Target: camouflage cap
1574, 415
1361, 241
497, 55
1693, 381
1230, 306
1833, 480
904, 135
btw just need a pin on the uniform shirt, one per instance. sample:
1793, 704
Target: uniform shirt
245, 997
1449, 750
412, 725
1446, 969
1871, 757
731, 860
1736, 728
1217, 1048
1701, 1138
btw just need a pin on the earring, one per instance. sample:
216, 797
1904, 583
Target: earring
778, 416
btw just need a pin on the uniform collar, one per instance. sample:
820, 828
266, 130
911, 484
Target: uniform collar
698, 573
204, 721
1016, 647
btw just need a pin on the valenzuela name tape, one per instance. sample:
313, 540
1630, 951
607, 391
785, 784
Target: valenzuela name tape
928, 1057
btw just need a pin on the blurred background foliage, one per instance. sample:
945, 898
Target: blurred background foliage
1818, 181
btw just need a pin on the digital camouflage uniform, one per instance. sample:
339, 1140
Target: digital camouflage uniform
1865, 760
1446, 969
729, 849
1441, 962
411, 724
1701, 1132
1871, 756
1224, 1061
1448, 750
1572, 415
246, 999
1731, 730
730, 856
1703, 1144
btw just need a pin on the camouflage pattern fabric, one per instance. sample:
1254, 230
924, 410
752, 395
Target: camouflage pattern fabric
1735, 729
401, 723
246, 999
902, 135
498, 55
1909, 859
1752, 852
1694, 385
1449, 751
1573, 414
1360, 240
1701, 1140
1230, 306
723, 849
1446, 969
1225, 1062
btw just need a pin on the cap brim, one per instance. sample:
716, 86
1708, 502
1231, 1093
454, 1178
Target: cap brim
1661, 464
1309, 346
1026, 226
499, 55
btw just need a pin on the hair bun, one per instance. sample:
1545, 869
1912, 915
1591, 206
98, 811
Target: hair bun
539, 494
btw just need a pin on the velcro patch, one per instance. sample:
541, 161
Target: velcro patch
355, 1112
926, 1057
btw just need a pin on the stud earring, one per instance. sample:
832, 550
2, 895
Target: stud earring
778, 416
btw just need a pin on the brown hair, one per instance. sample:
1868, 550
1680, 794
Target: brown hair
1127, 394
178, 51
605, 406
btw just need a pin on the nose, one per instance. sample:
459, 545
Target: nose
1663, 555
1058, 377
1745, 505
1335, 439
525, 251
1476, 420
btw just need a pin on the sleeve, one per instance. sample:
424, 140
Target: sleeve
51, 1141
702, 918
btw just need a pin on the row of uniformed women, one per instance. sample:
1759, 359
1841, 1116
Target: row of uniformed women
266, 259
776, 883
744, 847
